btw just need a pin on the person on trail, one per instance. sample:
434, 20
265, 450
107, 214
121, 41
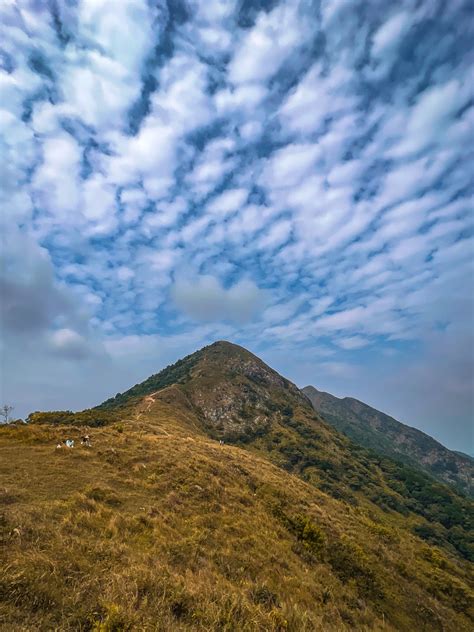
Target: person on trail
69, 443
85, 440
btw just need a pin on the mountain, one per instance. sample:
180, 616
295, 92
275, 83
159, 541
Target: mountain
287, 525
389, 437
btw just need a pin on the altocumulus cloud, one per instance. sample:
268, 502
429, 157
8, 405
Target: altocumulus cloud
293, 175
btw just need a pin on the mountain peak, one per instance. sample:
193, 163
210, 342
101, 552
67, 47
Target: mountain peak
225, 348
224, 344
214, 368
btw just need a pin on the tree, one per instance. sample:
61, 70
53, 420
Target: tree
5, 411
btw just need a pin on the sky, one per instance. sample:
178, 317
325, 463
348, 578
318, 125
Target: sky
295, 177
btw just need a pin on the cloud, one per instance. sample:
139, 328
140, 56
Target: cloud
228, 202
387, 38
317, 98
32, 301
433, 111
69, 343
276, 236
352, 342
288, 166
205, 299
319, 152
56, 180
267, 44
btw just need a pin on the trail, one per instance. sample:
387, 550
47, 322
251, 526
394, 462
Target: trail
150, 400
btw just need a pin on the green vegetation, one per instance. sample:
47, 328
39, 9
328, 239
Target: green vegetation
387, 437
176, 373
89, 417
355, 474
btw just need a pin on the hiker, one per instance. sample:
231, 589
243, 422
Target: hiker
85, 440
69, 443
221, 442
59, 445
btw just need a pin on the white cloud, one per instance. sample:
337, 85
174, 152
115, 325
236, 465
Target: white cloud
57, 179
205, 299
288, 166
318, 97
431, 115
278, 234
352, 342
388, 36
69, 342
99, 204
109, 69
345, 319
264, 47
245, 97
228, 202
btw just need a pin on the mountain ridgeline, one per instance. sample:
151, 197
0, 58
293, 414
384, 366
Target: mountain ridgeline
387, 436
225, 476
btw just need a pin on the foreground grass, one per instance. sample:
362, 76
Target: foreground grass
158, 528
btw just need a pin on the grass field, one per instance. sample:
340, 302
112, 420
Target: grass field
157, 527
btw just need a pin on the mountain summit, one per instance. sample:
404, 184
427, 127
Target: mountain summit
212, 496
230, 390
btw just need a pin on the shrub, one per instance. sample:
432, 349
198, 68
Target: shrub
115, 620
451, 589
306, 531
263, 596
88, 417
103, 495
349, 562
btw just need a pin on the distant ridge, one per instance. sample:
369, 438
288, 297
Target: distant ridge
384, 434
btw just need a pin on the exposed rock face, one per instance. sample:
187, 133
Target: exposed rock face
384, 434
235, 391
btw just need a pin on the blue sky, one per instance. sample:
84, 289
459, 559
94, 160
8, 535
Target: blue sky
292, 176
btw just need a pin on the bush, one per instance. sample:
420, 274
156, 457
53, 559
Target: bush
452, 590
263, 596
310, 534
349, 562
306, 531
88, 417
115, 620
103, 495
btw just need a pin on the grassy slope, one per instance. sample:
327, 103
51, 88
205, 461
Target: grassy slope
157, 527
235, 396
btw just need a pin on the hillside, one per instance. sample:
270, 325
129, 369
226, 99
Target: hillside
387, 436
156, 526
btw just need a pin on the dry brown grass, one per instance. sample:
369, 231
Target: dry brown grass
156, 527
